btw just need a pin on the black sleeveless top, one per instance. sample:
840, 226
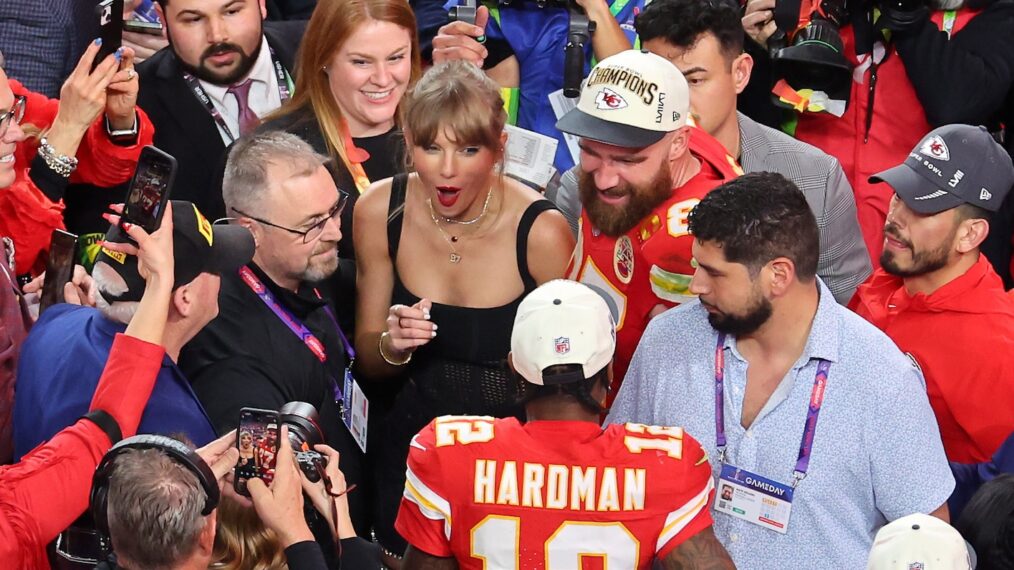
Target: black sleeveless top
463, 369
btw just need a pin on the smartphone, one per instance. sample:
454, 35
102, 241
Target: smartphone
152, 28
110, 13
257, 441
149, 189
59, 268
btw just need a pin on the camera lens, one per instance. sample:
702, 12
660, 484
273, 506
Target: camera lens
304, 425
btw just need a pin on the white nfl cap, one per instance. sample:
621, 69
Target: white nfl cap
920, 542
631, 99
562, 322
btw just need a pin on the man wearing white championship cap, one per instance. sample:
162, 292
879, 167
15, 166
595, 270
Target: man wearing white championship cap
920, 542
494, 493
642, 170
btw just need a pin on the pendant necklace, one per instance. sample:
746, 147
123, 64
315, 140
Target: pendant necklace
455, 257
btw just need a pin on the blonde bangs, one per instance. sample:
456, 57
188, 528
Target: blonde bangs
458, 100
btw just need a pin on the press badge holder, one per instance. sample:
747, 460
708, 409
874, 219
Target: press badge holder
355, 408
747, 495
753, 498
352, 403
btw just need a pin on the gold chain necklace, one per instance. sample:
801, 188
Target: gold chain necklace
455, 257
485, 207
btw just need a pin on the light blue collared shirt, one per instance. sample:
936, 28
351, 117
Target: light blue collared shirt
876, 455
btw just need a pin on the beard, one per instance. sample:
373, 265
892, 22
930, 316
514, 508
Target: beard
320, 266
615, 221
923, 262
205, 73
756, 314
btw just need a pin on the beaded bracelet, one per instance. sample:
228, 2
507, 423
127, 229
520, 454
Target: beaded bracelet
59, 163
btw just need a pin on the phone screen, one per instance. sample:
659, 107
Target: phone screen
59, 268
110, 13
149, 189
257, 441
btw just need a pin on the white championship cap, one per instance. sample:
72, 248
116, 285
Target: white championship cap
631, 99
921, 542
562, 322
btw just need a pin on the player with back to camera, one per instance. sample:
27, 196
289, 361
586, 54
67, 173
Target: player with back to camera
558, 489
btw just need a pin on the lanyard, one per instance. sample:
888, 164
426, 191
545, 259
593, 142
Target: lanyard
816, 401
948, 23
354, 159
284, 92
299, 329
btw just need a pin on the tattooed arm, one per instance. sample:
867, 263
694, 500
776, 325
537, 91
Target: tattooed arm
700, 552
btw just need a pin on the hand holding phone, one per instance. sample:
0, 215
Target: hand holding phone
59, 268
149, 189
110, 15
257, 441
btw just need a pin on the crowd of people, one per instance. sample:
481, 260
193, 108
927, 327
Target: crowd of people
755, 315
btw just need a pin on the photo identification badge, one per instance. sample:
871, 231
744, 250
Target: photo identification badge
355, 409
753, 498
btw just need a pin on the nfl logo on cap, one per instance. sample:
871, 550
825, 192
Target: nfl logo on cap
562, 345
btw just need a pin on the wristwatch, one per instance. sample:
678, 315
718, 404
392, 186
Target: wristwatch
122, 134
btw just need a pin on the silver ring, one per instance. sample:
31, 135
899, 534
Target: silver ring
130, 74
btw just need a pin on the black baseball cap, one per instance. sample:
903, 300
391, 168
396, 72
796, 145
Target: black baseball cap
198, 247
952, 165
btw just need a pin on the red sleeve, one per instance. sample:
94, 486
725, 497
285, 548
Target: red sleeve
28, 217
424, 518
105, 164
692, 498
100, 161
46, 491
127, 381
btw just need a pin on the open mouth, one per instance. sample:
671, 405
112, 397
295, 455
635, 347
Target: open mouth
448, 195
613, 197
7, 158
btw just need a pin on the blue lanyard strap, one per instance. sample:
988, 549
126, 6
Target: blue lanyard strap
812, 414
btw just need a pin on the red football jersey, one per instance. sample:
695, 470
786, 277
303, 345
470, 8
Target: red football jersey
494, 493
651, 264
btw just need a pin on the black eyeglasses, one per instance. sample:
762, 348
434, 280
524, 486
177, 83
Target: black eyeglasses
16, 113
314, 231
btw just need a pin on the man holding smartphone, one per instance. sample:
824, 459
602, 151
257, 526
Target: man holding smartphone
69, 344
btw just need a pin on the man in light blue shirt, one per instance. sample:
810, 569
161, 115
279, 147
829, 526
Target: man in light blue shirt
829, 434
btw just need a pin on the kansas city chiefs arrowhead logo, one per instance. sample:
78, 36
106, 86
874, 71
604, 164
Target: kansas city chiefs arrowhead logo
935, 147
607, 99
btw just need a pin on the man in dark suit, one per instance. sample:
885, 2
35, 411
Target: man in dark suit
224, 68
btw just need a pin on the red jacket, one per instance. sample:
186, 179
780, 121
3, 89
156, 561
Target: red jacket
48, 489
898, 123
962, 337
26, 214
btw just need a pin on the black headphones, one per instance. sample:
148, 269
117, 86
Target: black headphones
171, 447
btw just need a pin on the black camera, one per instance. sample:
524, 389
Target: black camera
807, 51
304, 433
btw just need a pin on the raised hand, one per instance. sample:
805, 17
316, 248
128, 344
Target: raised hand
408, 328
459, 40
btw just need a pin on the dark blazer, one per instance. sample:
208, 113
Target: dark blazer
183, 127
